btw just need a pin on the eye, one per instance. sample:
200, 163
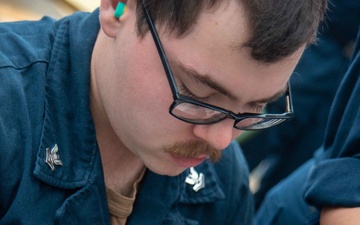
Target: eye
260, 108
257, 108
185, 91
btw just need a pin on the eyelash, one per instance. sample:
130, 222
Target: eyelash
185, 91
259, 109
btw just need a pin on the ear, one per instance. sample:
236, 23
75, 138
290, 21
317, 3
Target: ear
109, 23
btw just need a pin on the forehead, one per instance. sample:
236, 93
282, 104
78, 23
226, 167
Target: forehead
226, 24
212, 48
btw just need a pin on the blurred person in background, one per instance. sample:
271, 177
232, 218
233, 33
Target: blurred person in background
274, 153
325, 190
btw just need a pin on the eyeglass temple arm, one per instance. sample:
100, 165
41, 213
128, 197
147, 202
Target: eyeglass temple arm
161, 51
289, 106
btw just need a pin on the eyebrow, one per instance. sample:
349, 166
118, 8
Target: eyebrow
206, 79
272, 98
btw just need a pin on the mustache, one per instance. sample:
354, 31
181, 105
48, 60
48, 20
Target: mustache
193, 149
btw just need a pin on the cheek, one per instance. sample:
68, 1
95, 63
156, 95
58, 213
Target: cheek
148, 94
140, 100
144, 109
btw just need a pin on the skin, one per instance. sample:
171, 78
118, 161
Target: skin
130, 95
340, 216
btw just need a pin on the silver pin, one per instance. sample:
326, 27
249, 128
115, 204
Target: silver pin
52, 158
196, 179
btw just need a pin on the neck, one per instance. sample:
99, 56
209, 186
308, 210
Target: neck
121, 166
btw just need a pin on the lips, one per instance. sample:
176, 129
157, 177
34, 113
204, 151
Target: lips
187, 162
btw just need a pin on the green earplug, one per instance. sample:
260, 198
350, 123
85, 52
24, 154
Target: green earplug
120, 9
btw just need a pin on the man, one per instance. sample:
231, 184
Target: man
325, 189
83, 97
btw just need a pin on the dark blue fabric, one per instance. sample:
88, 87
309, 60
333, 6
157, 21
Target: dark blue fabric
44, 95
280, 202
331, 178
334, 180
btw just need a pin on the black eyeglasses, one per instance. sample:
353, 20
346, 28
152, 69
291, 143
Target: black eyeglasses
192, 111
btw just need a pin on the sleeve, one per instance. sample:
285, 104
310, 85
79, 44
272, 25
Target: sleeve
334, 180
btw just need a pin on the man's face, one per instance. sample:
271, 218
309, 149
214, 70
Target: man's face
135, 95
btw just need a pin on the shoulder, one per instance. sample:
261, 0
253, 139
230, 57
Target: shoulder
25, 42
24, 53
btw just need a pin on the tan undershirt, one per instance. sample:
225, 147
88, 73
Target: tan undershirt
121, 206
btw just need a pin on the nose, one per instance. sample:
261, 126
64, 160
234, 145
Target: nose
218, 135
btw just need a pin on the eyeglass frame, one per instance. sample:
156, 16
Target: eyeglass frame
179, 98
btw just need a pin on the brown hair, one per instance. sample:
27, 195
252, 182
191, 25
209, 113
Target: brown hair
278, 27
